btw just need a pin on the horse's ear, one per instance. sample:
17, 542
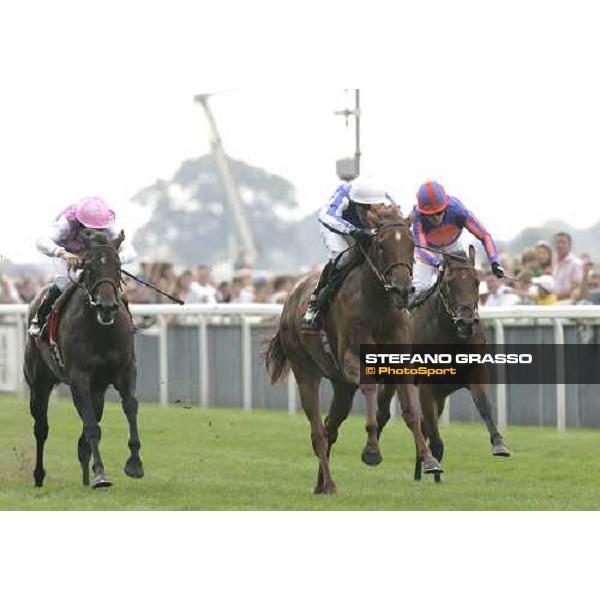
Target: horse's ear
119, 240
472, 254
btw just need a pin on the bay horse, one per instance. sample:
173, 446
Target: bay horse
369, 308
93, 349
449, 315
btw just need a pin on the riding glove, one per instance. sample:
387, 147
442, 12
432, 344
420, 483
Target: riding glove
360, 235
497, 270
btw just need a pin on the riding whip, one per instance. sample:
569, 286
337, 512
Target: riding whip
153, 287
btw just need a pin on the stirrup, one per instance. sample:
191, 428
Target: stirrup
310, 320
35, 330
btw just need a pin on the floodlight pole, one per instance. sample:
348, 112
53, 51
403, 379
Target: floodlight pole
231, 187
348, 168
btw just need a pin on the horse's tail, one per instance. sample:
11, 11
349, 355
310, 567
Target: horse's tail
276, 360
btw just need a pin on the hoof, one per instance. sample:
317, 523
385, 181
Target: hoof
38, 477
370, 458
500, 450
326, 489
432, 466
134, 468
437, 477
101, 481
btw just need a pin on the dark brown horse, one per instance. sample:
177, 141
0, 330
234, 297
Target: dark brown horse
369, 308
94, 350
449, 315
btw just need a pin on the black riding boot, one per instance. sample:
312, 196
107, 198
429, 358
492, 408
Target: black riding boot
310, 321
38, 322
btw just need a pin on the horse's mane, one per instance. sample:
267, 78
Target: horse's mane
378, 215
93, 237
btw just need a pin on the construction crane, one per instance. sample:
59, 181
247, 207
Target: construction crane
231, 187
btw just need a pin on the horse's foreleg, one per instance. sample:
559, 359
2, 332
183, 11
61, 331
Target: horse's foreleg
431, 408
371, 455
343, 393
38, 406
480, 394
413, 421
81, 392
133, 467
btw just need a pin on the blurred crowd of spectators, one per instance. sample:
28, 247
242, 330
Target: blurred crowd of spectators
548, 273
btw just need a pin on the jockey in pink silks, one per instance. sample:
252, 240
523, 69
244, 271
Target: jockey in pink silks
61, 243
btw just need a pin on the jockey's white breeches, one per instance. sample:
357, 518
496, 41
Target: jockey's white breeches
335, 243
61, 274
424, 275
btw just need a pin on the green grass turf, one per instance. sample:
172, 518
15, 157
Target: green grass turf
226, 459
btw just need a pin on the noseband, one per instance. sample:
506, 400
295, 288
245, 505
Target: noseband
382, 276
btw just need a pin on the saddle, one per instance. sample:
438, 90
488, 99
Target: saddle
336, 277
51, 326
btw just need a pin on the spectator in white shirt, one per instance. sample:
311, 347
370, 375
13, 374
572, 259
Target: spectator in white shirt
498, 293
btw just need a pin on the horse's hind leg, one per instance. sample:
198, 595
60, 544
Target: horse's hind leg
308, 384
39, 395
81, 391
133, 467
84, 453
385, 393
480, 394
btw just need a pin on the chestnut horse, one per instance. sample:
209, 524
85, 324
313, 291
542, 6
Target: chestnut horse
449, 315
369, 308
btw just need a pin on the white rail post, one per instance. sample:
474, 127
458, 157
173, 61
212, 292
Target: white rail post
445, 416
163, 361
501, 373
203, 384
292, 395
394, 404
22, 340
246, 364
561, 395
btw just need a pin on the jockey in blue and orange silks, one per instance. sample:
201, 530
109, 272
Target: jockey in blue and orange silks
438, 222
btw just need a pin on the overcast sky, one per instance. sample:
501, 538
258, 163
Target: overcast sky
501, 106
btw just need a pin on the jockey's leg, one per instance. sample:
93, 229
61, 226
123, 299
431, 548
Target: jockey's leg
336, 244
61, 281
424, 276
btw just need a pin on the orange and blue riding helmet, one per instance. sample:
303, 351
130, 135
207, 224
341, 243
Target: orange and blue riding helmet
432, 198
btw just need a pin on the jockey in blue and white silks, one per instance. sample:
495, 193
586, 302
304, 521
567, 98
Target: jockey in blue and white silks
438, 222
340, 228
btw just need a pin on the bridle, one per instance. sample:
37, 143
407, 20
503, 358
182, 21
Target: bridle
382, 276
455, 318
89, 292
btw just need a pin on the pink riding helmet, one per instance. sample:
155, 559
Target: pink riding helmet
94, 213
